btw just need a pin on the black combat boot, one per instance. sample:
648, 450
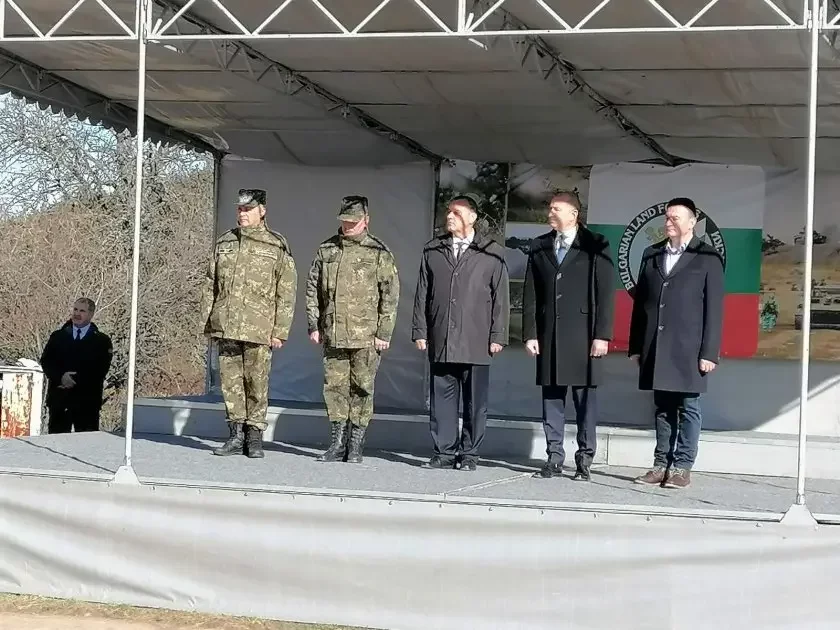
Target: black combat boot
236, 442
253, 443
357, 443
338, 443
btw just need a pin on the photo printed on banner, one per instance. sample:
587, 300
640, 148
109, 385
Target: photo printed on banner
530, 191
488, 180
782, 269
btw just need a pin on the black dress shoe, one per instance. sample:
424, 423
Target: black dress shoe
438, 462
550, 469
582, 474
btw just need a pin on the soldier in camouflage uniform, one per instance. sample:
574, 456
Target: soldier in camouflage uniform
352, 294
248, 303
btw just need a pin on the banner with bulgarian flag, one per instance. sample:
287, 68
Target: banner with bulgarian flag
627, 205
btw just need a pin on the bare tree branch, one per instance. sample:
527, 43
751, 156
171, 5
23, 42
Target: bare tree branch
66, 209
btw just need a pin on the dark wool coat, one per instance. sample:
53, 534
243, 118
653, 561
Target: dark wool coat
461, 307
568, 305
678, 317
90, 358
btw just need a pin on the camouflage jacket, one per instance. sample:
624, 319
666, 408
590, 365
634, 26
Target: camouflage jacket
352, 292
251, 286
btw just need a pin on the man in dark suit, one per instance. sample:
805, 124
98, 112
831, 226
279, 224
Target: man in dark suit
76, 360
567, 320
675, 334
461, 316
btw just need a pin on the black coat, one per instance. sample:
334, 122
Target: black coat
461, 308
566, 306
677, 319
90, 358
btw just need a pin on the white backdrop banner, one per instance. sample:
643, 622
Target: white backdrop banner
303, 202
302, 205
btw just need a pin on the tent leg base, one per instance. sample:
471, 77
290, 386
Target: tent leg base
799, 515
125, 475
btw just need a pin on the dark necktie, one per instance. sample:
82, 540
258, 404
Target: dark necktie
78, 335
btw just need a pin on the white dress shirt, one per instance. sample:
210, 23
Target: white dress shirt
672, 256
84, 330
460, 245
565, 238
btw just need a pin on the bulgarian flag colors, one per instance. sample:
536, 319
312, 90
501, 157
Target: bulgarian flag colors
627, 205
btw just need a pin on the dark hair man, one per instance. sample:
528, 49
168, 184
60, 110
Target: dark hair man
76, 360
675, 334
567, 320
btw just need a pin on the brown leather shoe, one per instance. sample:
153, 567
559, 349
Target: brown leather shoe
653, 477
678, 478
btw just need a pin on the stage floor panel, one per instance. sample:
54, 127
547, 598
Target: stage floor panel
186, 459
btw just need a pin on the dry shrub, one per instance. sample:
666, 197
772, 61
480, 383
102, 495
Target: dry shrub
66, 230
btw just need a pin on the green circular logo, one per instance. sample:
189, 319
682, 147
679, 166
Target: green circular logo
648, 228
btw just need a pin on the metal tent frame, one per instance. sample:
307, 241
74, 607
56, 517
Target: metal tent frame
161, 21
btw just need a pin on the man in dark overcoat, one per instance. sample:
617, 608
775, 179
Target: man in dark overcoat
461, 317
567, 322
675, 335
76, 360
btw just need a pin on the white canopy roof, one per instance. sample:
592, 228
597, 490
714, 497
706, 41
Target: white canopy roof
708, 96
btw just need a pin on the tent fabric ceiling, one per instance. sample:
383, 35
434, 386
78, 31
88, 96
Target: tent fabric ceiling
720, 97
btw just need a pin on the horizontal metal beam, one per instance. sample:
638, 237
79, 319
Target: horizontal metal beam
484, 33
260, 67
126, 31
778, 19
27, 80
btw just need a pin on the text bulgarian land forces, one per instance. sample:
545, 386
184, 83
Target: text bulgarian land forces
624, 271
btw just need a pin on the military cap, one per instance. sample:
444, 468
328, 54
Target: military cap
353, 208
251, 197
473, 200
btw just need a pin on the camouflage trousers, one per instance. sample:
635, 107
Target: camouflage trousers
349, 375
243, 371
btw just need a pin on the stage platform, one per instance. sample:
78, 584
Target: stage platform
187, 461
508, 438
388, 544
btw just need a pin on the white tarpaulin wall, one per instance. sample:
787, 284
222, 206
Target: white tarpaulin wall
302, 204
421, 564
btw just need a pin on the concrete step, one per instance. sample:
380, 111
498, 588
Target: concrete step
736, 452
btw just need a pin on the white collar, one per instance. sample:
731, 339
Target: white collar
566, 235
467, 239
83, 330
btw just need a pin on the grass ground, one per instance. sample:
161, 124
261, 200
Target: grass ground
24, 612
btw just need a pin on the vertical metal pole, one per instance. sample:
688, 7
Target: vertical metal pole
462, 15
813, 69
217, 178
126, 473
